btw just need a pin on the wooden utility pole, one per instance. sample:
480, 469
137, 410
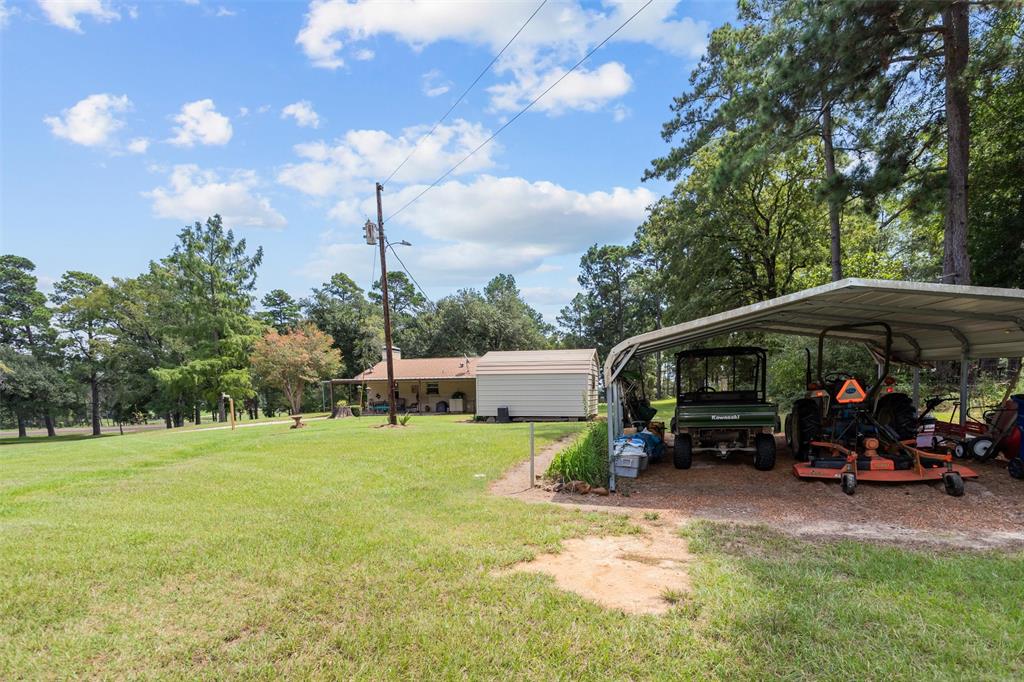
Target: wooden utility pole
392, 415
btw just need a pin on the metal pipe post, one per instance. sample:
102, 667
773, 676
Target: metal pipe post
965, 366
532, 479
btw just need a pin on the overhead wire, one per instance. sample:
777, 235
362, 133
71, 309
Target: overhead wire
394, 252
520, 112
464, 93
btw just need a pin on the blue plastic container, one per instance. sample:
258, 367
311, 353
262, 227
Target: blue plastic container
1019, 399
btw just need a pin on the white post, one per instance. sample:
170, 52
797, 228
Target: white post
612, 394
532, 479
965, 367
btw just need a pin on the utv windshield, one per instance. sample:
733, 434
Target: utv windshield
721, 375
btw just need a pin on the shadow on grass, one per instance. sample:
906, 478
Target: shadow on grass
36, 440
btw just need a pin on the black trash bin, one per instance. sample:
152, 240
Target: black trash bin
503, 416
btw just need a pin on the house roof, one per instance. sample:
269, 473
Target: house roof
928, 321
422, 368
537, 361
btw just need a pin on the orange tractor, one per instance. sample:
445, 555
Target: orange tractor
850, 430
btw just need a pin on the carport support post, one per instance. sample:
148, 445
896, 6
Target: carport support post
613, 415
917, 389
965, 366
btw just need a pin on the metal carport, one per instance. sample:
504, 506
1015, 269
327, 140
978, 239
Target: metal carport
929, 322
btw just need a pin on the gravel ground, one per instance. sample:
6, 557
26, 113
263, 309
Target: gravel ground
989, 515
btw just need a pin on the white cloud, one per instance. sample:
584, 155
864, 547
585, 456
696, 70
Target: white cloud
431, 86
620, 114
138, 145
558, 36
365, 155
365, 55
91, 122
225, 12
492, 224
65, 13
581, 89
6, 13
195, 194
502, 212
243, 112
200, 122
303, 114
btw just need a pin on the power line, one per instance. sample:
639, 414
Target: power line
519, 113
465, 92
394, 252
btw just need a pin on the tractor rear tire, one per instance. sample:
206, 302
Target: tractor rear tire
953, 483
788, 430
682, 453
848, 482
897, 411
1016, 468
764, 452
806, 426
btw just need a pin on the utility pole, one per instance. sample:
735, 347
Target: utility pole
392, 415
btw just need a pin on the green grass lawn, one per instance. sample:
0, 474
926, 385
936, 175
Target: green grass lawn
342, 550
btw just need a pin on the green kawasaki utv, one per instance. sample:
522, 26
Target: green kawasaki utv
722, 407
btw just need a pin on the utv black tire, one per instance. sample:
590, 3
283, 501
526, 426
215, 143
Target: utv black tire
848, 482
764, 452
1016, 468
897, 411
806, 427
953, 483
682, 453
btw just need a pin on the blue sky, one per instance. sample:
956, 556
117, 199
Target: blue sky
120, 122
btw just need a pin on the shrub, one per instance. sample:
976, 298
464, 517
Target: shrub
405, 419
341, 403
586, 459
356, 410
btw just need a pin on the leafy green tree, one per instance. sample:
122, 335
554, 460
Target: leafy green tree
295, 359
339, 307
216, 277
25, 327
280, 310
81, 318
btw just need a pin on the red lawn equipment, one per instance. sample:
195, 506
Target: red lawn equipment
843, 431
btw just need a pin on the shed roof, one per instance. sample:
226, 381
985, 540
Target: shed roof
537, 361
421, 368
929, 321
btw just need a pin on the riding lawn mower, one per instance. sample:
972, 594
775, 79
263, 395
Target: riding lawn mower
843, 431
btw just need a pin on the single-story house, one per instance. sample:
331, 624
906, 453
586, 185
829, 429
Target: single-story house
424, 384
538, 383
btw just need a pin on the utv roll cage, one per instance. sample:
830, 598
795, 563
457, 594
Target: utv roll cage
707, 394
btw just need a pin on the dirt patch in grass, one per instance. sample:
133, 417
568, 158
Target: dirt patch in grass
989, 516
632, 573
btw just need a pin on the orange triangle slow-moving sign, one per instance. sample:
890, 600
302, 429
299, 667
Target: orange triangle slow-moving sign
851, 392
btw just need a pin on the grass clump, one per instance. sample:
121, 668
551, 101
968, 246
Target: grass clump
586, 459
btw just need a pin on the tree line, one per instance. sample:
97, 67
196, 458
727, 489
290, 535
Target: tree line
821, 140
171, 342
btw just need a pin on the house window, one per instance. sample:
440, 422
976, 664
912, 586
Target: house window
433, 389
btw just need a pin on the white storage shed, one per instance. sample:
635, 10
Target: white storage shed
538, 383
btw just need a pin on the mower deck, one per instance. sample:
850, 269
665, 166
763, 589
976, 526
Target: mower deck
805, 470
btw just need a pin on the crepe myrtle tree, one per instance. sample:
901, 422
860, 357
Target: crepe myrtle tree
291, 360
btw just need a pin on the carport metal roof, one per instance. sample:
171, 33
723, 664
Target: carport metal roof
929, 321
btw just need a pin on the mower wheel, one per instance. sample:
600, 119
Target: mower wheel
954, 484
848, 483
982, 448
764, 454
961, 450
1016, 468
682, 453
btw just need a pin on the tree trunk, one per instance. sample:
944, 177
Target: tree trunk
198, 416
179, 419
22, 431
168, 421
50, 431
833, 202
94, 387
221, 413
956, 263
